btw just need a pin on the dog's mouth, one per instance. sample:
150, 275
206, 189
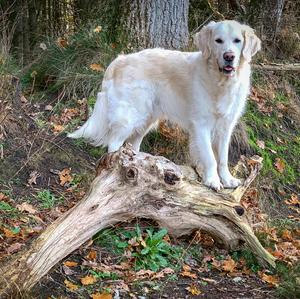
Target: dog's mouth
227, 70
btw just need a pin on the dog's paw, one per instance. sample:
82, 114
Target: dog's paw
231, 182
214, 183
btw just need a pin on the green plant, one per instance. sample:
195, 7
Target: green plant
47, 199
250, 259
289, 286
148, 249
105, 275
4, 206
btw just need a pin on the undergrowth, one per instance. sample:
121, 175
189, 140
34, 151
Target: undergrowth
147, 248
66, 63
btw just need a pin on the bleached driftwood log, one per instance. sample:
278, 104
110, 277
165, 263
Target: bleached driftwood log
130, 185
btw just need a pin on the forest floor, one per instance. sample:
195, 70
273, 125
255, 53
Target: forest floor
43, 174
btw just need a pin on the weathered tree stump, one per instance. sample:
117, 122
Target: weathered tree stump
130, 185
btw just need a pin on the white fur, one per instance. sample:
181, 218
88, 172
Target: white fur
187, 88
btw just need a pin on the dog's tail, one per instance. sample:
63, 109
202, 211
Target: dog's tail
95, 128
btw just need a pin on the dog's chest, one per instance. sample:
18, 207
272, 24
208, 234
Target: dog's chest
229, 102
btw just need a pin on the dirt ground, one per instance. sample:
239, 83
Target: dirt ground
29, 148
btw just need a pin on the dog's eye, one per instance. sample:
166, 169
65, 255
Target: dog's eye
219, 41
237, 40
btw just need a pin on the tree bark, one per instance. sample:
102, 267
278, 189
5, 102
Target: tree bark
271, 16
159, 23
130, 185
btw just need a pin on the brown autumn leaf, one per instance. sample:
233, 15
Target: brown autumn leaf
187, 272
270, 279
255, 160
61, 42
88, 280
92, 255
287, 235
260, 144
3, 196
96, 67
70, 285
279, 165
70, 264
101, 296
98, 29
8, 233
65, 176
293, 201
229, 265
193, 290
58, 128
26, 207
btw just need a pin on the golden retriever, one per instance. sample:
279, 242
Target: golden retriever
204, 92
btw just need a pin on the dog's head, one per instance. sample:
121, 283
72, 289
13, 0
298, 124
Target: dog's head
227, 42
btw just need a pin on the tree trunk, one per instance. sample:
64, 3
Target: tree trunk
159, 23
130, 185
272, 13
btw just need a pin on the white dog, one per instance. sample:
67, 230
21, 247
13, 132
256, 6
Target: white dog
204, 92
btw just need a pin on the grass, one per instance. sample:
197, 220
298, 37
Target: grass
47, 199
65, 64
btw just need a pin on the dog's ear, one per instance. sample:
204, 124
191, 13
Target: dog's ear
202, 39
252, 44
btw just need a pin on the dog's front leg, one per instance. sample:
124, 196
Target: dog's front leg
203, 156
221, 142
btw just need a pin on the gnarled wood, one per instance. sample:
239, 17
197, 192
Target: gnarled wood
130, 185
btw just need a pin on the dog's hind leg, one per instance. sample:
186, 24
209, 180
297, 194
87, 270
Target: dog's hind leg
137, 137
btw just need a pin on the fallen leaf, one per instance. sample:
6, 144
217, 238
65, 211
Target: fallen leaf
96, 67
98, 29
271, 279
68, 271
92, 255
8, 233
162, 273
65, 176
287, 235
26, 207
14, 247
101, 296
279, 165
255, 160
88, 280
58, 128
33, 177
48, 108
23, 99
187, 272
193, 290
3, 196
70, 264
229, 265
260, 144
70, 285
293, 201
61, 42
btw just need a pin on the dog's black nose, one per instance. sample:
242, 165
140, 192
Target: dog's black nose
228, 56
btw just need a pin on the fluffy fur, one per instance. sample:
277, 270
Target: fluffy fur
201, 91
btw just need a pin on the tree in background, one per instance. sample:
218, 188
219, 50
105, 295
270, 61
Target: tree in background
159, 23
